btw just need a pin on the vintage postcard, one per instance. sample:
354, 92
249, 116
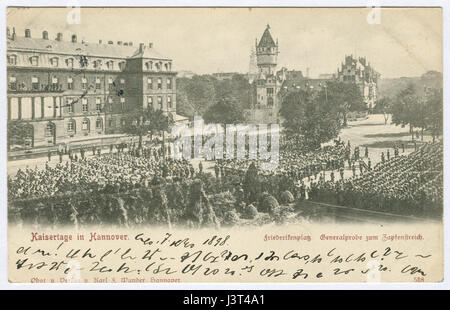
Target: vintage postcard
224, 145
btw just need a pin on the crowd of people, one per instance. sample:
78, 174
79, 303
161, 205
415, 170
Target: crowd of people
410, 185
139, 185
295, 164
112, 172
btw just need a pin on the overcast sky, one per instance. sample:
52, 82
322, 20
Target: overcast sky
407, 42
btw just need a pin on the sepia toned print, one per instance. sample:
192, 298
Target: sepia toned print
248, 133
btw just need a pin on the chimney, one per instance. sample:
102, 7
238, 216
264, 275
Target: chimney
45, 35
8, 33
27, 33
141, 47
13, 36
150, 44
74, 38
119, 42
59, 36
110, 42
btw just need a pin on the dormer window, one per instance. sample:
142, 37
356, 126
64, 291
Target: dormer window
110, 65
12, 60
121, 65
12, 83
98, 64
34, 61
69, 62
54, 61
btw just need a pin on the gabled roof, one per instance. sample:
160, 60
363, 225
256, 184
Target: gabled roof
266, 39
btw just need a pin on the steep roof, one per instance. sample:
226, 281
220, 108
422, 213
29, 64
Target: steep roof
148, 52
266, 39
84, 48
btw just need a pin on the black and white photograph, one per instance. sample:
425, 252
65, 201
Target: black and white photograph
207, 120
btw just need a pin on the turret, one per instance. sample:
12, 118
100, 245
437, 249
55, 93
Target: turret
266, 53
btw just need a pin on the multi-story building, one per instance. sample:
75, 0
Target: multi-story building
267, 81
65, 91
358, 71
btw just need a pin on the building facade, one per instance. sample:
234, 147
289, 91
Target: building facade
358, 71
64, 91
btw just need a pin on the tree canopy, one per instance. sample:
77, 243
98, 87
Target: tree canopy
195, 95
226, 111
420, 111
147, 121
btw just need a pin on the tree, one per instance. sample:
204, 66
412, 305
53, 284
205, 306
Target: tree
251, 184
434, 112
195, 95
226, 111
383, 106
18, 132
407, 108
307, 115
293, 110
145, 122
343, 98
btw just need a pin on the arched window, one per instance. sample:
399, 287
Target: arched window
72, 126
160, 103
97, 64
85, 125
12, 60
54, 61
110, 65
69, 62
149, 65
34, 60
50, 130
99, 123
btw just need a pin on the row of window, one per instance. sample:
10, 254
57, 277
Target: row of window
159, 83
349, 78
159, 101
46, 107
55, 83
34, 108
85, 63
85, 125
69, 62
158, 66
